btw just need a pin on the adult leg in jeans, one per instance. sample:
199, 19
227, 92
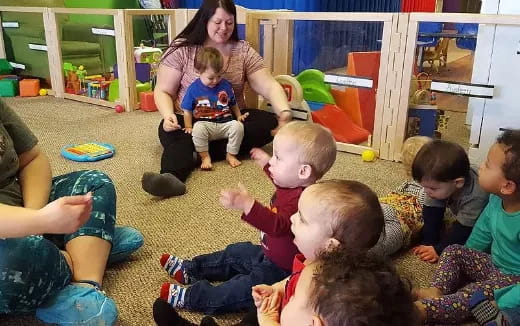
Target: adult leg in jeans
88, 249
177, 161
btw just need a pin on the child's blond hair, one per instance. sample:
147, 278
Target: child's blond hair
208, 57
317, 146
411, 147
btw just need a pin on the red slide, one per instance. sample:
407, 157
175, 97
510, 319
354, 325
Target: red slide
340, 124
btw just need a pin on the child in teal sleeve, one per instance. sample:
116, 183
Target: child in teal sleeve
490, 260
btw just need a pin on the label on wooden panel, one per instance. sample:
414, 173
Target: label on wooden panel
10, 24
349, 81
38, 47
103, 31
464, 89
17, 65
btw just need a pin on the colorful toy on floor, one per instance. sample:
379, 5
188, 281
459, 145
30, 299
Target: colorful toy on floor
8, 87
119, 108
43, 92
147, 102
368, 155
29, 87
88, 152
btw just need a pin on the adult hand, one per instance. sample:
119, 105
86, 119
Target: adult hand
259, 156
242, 117
237, 199
66, 214
283, 118
426, 253
170, 123
269, 311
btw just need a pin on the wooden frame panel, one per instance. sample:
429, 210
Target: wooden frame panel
279, 59
402, 116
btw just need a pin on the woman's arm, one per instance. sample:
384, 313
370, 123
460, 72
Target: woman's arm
168, 81
263, 83
35, 178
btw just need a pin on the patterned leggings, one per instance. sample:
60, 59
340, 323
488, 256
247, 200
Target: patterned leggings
460, 273
32, 269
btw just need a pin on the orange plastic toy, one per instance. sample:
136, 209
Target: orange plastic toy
29, 87
147, 101
340, 124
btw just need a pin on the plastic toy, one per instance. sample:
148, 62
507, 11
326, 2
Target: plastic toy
29, 87
88, 152
368, 155
119, 108
8, 87
147, 102
43, 92
146, 54
293, 90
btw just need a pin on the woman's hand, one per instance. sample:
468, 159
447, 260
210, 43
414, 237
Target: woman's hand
170, 123
269, 311
242, 117
284, 118
66, 214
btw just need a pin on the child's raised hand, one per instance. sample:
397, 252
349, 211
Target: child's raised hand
259, 156
269, 311
237, 199
188, 130
66, 214
426, 253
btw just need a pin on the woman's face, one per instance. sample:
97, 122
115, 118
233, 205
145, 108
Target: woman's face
220, 26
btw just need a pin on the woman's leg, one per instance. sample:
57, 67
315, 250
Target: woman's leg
257, 129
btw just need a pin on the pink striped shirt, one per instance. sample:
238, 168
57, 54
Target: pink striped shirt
243, 61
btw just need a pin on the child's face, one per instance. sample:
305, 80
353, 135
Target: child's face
441, 190
298, 310
284, 165
312, 231
210, 78
491, 177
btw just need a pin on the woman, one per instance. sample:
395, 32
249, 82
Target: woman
214, 25
62, 286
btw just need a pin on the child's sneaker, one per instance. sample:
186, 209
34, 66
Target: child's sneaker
79, 304
484, 311
173, 294
173, 265
125, 242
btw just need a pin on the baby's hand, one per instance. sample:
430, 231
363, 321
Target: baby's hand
237, 199
269, 311
259, 156
260, 292
242, 117
188, 130
426, 253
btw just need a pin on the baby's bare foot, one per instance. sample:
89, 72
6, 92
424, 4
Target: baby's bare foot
232, 160
206, 163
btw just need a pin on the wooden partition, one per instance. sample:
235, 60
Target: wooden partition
481, 73
277, 52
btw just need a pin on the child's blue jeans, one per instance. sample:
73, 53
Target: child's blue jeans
32, 269
512, 316
240, 266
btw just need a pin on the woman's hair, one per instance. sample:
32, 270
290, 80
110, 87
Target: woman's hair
357, 289
195, 33
207, 58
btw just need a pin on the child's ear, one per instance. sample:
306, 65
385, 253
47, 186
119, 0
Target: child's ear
305, 171
459, 183
508, 188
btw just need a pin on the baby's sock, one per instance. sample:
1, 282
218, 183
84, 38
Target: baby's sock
173, 265
484, 311
173, 294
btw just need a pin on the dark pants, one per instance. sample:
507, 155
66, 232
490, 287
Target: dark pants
177, 157
240, 266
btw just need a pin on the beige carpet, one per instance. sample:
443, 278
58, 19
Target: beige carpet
186, 226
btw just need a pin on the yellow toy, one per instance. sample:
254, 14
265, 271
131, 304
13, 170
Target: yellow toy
42, 92
368, 155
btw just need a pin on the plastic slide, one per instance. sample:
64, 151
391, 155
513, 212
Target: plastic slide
342, 127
